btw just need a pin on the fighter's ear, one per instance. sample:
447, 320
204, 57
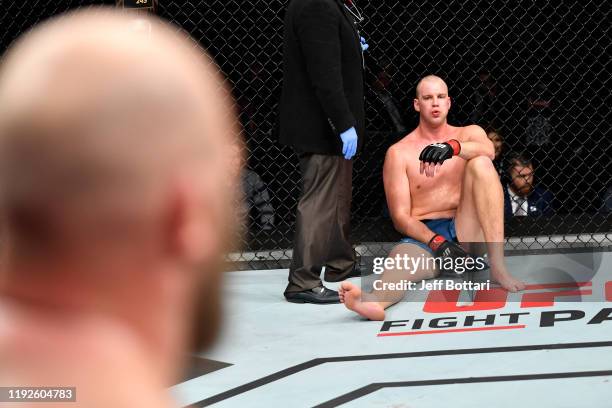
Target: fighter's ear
449, 102
416, 105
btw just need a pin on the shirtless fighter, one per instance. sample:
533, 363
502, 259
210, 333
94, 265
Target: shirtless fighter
441, 186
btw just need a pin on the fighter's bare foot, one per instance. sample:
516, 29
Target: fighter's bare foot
506, 280
350, 295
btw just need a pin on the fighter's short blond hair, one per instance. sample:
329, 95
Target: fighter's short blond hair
427, 78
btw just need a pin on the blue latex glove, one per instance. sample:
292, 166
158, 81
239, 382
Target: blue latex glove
364, 44
349, 143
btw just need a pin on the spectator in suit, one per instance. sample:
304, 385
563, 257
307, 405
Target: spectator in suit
521, 196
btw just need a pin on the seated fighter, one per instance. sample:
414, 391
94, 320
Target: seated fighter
441, 188
114, 212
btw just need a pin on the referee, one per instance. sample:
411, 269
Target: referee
322, 117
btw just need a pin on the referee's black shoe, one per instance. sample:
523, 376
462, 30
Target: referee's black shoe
319, 295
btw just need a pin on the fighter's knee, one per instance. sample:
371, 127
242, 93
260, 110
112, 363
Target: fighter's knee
480, 165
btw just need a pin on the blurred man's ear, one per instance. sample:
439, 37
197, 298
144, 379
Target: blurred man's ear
191, 228
416, 105
194, 238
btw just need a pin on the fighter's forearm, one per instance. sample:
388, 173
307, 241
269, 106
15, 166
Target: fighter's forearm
469, 150
413, 228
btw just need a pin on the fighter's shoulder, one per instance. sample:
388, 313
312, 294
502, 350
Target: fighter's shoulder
409, 143
401, 149
469, 131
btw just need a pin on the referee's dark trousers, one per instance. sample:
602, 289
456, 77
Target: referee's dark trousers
322, 222
322, 97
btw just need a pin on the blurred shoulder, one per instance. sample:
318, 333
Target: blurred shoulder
103, 361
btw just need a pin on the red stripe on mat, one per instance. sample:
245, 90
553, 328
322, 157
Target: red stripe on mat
520, 326
558, 285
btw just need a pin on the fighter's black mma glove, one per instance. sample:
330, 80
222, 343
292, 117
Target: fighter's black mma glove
438, 152
442, 248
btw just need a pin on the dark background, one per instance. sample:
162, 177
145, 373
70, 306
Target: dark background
540, 50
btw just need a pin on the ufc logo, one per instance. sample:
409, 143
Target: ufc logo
445, 301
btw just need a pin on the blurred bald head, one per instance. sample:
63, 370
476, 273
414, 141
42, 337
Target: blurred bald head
100, 124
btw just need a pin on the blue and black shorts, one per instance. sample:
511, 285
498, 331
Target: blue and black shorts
442, 226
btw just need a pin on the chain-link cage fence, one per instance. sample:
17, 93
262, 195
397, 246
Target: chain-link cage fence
536, 73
